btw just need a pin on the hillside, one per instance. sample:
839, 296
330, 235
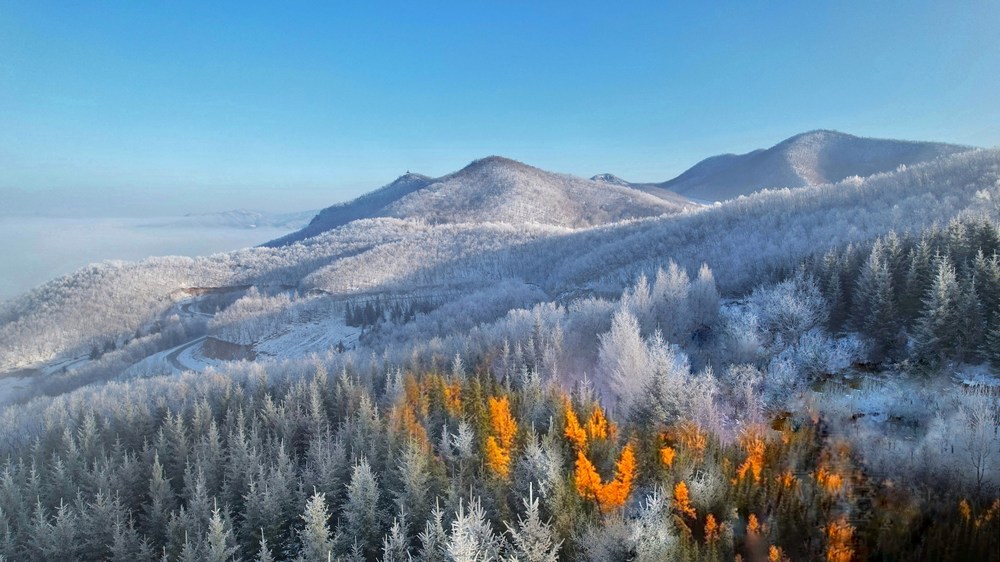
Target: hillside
499, 190
811, 158
724, 355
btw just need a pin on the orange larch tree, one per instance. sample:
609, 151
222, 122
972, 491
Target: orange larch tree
574, 431
682, 500
503, 427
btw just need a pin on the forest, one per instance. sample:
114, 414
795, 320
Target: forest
810, 419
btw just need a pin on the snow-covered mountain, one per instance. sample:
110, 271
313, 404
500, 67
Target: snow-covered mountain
811, 158
498, 190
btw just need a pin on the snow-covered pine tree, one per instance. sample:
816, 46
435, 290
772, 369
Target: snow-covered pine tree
937, 328
315, 544
532, 540
361, 521
472, 538
875, 312
622, 358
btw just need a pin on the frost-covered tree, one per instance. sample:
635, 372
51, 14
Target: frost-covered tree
532, 540
395, 545
623, 359
875, 311
666, 396
220, 546
472, 538
315, 544
938, 327
413, 494
434, 538
669, 297
703, 304
361, 521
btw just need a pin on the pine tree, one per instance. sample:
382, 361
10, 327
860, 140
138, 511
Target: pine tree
433, 539
361, 522
937, 329
533, 539
413, 495
395, 545
971, 325
991, 349
875, 311
314, 538
472, 536
264, 552
703, 305
918, 278
220, 544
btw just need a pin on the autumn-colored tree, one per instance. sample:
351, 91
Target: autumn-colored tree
586, 478
453, 397
498, 445
574, 431
608, 496
614, 493
965, 510
403, 420
838, 546
829, 481
597, 424
752, 441
712, 530
682, 500
775, 554
667, 455
753, 526
692, 438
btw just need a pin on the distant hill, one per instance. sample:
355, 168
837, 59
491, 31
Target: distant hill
501, 190
238, 218
807, 159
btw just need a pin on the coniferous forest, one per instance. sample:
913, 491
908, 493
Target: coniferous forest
493, 457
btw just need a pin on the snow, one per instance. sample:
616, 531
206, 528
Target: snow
811, 158
312, 336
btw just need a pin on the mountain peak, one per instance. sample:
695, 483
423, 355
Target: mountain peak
806, 159
611, 179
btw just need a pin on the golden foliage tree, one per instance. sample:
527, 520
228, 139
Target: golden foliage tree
608, 496
682, 500
838, 547
503, 427
752, 441
574, 431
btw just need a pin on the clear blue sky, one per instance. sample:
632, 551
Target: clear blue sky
154, 108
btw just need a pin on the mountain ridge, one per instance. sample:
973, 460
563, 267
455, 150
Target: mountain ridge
501, 190
806, 159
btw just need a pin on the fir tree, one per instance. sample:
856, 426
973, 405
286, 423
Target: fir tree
937, 329
532, 539
220, 546
395, 545
434, 538
314, 538
875, 312
361, 523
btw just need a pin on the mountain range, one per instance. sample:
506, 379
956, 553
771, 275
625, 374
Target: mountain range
469, 248
497, 189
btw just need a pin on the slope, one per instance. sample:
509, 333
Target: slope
498, 190
811, 158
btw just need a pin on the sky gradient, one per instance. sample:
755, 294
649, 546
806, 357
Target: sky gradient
136, 108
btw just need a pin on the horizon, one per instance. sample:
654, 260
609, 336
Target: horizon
152, 111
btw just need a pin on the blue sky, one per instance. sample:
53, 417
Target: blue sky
142, 108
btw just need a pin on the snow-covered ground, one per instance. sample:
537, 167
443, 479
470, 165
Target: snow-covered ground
310, 336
